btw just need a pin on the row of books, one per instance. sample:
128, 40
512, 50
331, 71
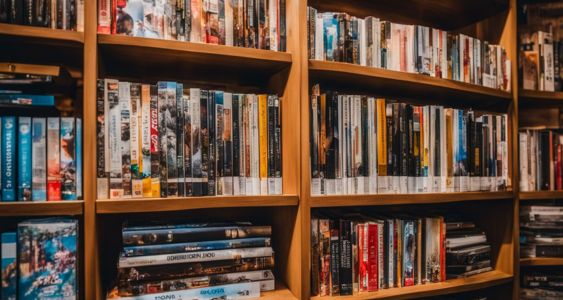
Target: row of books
356, 253
41, 158
40, 260
55, 14
362, 144
372, 42
541, 284
165, 140
541, 61
234, 259
243, 23
541, 164
541, 231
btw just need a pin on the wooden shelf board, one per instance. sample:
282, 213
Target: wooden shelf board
184, 61
542, 261
42, 34
529, 98
280, 293
476, 282
541, 195
44, 208
403, 85
445, 14
397, 199
186, 203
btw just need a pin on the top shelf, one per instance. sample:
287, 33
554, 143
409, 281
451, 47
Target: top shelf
409, 86
534, 98
444, 14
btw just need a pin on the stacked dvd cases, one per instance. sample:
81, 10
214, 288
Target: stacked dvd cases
541, 230
357, 253
55, 14
467, 250
41, 158
368, 145
407, 48
40, 260
165, 140
542, 283
232, 260
243, 23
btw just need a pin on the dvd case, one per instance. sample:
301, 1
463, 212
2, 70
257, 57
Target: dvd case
68, 158
39, 159
238, 291
9, 266
9, 158
24, 159
53, 160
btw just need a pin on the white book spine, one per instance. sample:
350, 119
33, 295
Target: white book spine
137, 184
254, 148
236, 291
229, 24
443, 151
319, 37
363, 41
114, 139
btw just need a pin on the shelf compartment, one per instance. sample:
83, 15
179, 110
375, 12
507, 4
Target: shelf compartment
400, 199
140, 205
542, 261
43, 208
472, 283
530, 98
541, 195
280, 293
408, 86
156, 59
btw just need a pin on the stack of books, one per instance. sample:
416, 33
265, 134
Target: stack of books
242, 23
367, 145
467, 250
55, 14
541, 284
165, 140
232, 260
541, 160
40, 261
41, 158
541, 231
408, 48
358, 253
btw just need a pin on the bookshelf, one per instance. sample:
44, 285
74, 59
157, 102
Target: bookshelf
91, 55
541, 261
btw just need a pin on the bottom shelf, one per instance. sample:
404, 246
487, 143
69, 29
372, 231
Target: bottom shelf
476, 282
542, 261
281, 292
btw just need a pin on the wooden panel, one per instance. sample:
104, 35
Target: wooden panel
396, 199
186, 203
7, 67
280, 293
41, 35
542, 261
539, 117
445, 14
540, 98
347, 77
47, 208
476, 282
541, 195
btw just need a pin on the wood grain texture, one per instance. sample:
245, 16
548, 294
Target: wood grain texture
542, 261
280, 293
472, 283
46, 208
41, 35
541, 195
536, 99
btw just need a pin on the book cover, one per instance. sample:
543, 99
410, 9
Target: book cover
9, 266
9, 158
24, 159
39, 159
163, 111
135, 139
68, 158
102, 154
243, 290
409, 253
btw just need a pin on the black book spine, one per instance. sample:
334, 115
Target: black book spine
345, 275
364, 167
283, 28
236, 136
219, 126
391, 154
330, 166
211, 171
60, 14
349, 40
478, 136
386, 254
204, 129
163, 139
342, 33
278, 143
493, 159
471, 144
334, 258
486, 148
155, 138
544, 160
100, 131
28, 12
188, 174
4, 11
403, 140
411, 163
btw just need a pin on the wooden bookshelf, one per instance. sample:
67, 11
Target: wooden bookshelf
541, 195
400, 199
472, 283
38, 35
281, 292
536, 99
46, 208
542, 261
407, 86
187, 203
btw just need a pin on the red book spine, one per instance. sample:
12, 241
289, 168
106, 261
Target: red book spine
558, 174
372, 258
442, 249
362, 257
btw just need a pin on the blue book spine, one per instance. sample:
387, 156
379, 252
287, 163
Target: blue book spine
24, 159
39, 159
24, 99
9, 266
244, 290
68, 159
8, 158
79, 158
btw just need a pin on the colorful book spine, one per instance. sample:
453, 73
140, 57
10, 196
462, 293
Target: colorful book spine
113, 124
102, 155
188, 174
239, 291
219, 141
162, 138
212, 145
155, 142
227, 134
53, 160
145, 160
180, 150
8, 158
204, 136
25, 99
136, 155
79, 147
39, 155
24, 159
125, 143
196, 142
68, 158
9, 266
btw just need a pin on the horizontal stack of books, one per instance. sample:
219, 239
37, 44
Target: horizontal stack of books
368, 145
40, 260
541, 284
408, 48
541, 162
244, 23
55, 14
232, 260
541, 231
358, 253
165, 140
467, 250
41, 158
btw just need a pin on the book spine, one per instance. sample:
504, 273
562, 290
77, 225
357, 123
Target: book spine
169, 127
254, 140
102, 161
188, 173
154, 142
227, 133
68, 158
196, 143
9, 265
135, 136
345, 274
114, 137
79, 158
53, 160
245, 290
125, 127
145, 141
263, 142
325, 257
219, 139
24, 165
212, 153
271, 111
236, 143
163, 110
204, 129
315, 257
363, 246
372, 257
334, 259
39, 155
381, 282
180, 150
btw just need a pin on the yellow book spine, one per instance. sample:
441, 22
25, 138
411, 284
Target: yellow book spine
145, 142
263, 135
381, 138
